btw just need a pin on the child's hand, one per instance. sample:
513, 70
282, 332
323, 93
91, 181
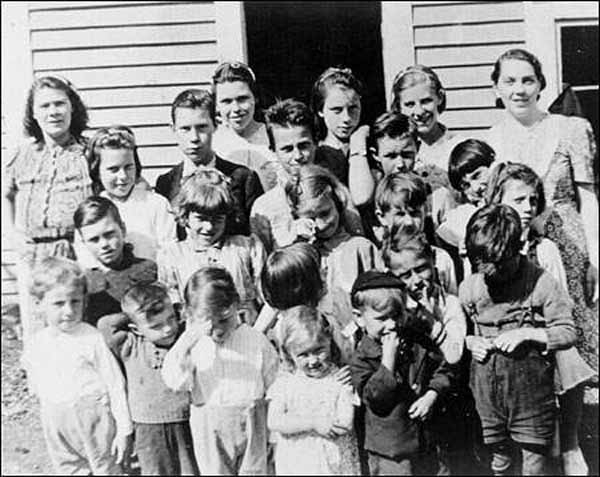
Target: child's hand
479, 347
508, 341
422, 407
121, 447
343, 375
358, 139
389, 344
327, 428
305, 228
194, 332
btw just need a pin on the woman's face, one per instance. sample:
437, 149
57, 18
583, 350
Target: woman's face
236, 104
341, 111
52, 110
420, 102
523, 198
117, 172
518, 87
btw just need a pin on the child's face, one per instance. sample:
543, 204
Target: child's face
341, 111
52, 110
375, 323
415, 271
523, 198
206, 230
294, 146
420, 102
223, 322
396, 154
474, 184
117, 172
405, 216
312, 356
518, 87
159, 326
105, 239
63, 307
324, 214
193, 130
236, 104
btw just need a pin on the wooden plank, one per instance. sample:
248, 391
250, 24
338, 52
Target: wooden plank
159, 135
463, 55
461, 13
9, 288
472, 118
145, 95
470, 98
138, 75
468, 34
121, 14
126, 36
119, 56
159, 156
465, 76
67, 5
130, 116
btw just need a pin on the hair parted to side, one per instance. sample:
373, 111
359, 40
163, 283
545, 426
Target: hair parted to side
411, 76
400, 190
382, 300
144, 300
288, 113
511, 171
301, 324
466, 157
523, 55
292, 276
493, 235
113, 137
394, 125
194, 99
210, 290
52, 272
230, 71
93, 210
207, 191
405, 237
332, 76
79, 115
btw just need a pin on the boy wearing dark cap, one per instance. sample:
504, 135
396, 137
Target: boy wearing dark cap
399, 376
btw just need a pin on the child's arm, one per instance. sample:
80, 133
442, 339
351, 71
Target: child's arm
360, 180
262, 228
164, 225
115, 331
455, 325
167, 274
270, 364
266, 318
344, 409
258, 257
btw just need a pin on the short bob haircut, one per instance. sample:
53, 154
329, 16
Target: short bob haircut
55, 271
411, 76
466, 157
210, 290
93, 210
113, 137
79, 115
194, 99
510, 171
333, 76
393, 125
403, 237
144, 300
292, 276
288, 113
206, 192
401, 190
493, 235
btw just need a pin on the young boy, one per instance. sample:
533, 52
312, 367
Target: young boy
290, 129
398, 380
193, 117
78, 381
520, 315
141, 337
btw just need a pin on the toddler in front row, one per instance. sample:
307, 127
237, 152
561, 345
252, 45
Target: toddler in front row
77, 379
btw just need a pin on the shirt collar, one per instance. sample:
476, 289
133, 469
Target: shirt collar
189, 167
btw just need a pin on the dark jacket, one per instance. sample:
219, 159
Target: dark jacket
387, 396
245, 187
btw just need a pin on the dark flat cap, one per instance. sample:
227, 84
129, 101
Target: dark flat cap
375, 279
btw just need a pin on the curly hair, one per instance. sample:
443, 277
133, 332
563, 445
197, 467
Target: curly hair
286, 114
412, 76
55, 271
79, 114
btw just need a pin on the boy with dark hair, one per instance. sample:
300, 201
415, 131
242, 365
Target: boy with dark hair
193, 116
520, 315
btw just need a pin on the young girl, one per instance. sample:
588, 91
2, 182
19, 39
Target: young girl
44, 181
313, 195
240, 138
227, 366
77, 379
203, 206
115, 170
342, 149
311, 411
518, 186
115, 268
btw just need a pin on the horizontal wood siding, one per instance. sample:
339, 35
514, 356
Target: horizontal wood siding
128, 60
461, 41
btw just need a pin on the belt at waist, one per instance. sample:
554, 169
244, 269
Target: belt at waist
51, 234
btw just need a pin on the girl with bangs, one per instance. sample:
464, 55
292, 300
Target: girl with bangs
203, 206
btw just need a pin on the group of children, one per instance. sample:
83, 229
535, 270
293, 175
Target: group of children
361, 315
